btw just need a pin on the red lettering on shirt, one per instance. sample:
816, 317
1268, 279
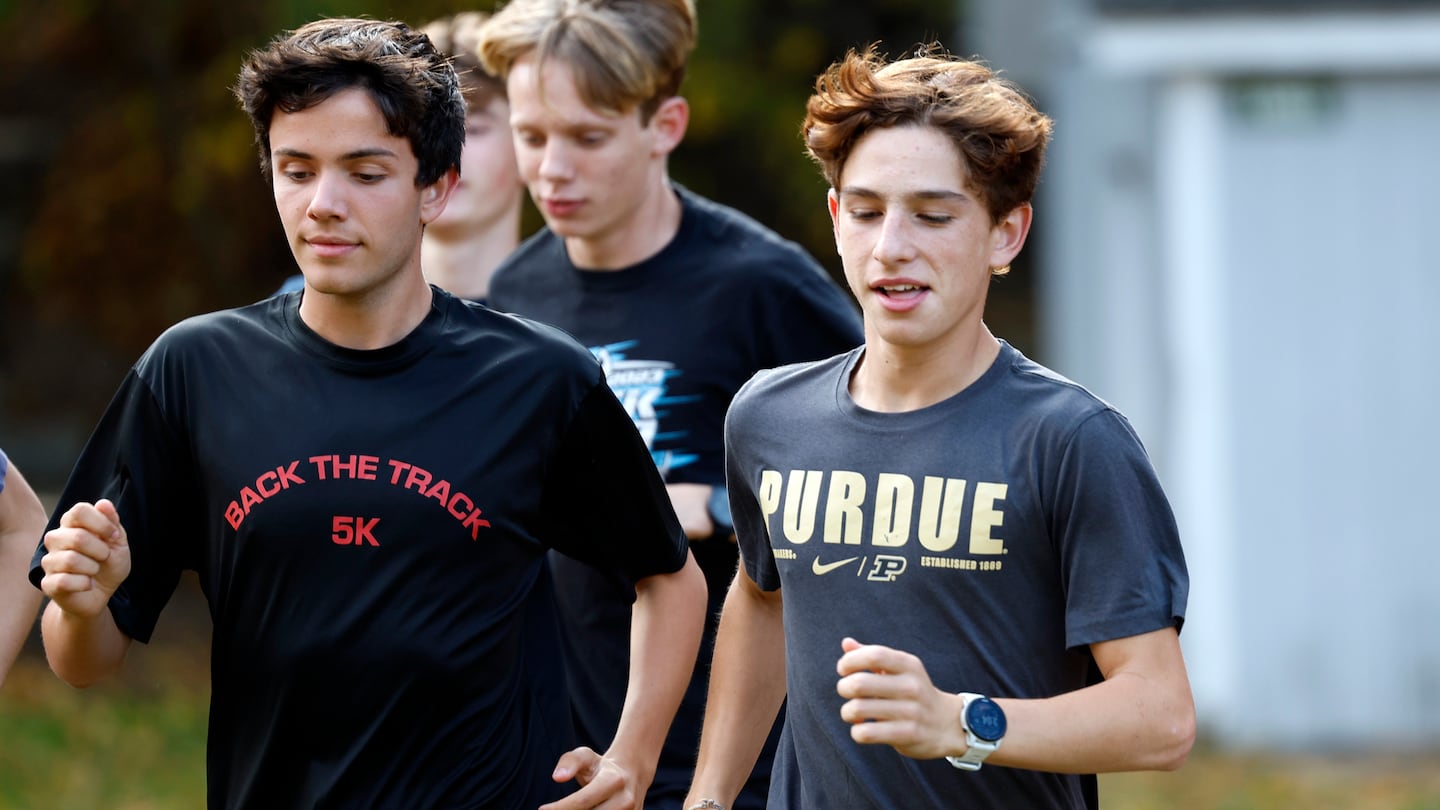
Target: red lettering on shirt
287, 475
248, 498
474, 524
464, 510
333, 467
418, 479
440, 492
267, 491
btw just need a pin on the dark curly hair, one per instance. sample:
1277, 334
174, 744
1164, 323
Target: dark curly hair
413, 84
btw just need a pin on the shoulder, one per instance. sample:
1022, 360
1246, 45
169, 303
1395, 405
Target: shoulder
742, 244
501, 337
1055, 387
785, 385
214, 332
1057, 402
191, 349
539, 257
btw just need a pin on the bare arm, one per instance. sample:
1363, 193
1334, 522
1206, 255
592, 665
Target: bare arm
86, 559
747, 686
665, 628
1141, 717
22, 521
692, 506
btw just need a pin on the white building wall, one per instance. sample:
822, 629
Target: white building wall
1237, 254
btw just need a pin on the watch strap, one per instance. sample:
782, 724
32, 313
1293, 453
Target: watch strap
976, 749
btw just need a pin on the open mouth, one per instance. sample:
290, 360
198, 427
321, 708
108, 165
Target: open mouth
900, 292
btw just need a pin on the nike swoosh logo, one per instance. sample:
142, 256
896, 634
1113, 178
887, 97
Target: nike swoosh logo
821, 569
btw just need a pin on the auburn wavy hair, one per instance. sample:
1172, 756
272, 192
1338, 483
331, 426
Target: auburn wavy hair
1000, 134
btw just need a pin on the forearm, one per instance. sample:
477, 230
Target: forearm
19, 601
22, 523
1118, 725
747, 686
82, 650
1141, 717
665, 628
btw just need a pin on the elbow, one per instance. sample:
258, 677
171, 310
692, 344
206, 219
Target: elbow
78, 677
80, 672
75, 680
1176, 743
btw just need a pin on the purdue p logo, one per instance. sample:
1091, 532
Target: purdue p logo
886, 568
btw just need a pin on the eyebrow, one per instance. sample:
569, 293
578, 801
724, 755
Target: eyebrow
358, 154
568, 127
943, 195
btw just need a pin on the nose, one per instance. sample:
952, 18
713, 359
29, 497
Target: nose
327, 199
555, 163
893, 244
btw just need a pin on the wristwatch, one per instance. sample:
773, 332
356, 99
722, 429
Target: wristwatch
984, 724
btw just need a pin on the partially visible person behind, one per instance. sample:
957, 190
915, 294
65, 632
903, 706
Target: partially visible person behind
367, 479
959, 569
480, 225
681, 298
22, 521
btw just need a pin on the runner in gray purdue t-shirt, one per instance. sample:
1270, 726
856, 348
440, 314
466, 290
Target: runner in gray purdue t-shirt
995, 535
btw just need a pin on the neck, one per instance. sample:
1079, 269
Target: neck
463, 266
895, 379
371, 319
645, 232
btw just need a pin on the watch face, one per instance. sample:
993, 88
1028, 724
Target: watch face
985, 719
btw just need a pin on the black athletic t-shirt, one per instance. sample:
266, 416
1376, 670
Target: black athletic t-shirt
370, 530
677, 334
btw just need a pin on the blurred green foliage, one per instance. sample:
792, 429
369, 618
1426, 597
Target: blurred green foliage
134, 199
137, 743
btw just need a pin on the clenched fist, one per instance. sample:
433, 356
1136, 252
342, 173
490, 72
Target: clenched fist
86, 559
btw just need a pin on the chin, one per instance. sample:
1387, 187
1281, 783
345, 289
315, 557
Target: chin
329, 283
905, 338
562, 228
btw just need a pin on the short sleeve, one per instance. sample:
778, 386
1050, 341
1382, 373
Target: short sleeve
137, 460
809, 319
604, 502
1122, 562
751, 532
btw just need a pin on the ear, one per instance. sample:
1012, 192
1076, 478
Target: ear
1008, 235
669, 122
832, 200
434, 196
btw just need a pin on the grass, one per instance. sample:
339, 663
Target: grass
135, 744
1216, 781
138, 743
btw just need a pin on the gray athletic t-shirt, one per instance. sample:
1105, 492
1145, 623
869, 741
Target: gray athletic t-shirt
995, 535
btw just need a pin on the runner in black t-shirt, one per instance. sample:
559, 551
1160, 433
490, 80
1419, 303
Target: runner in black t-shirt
367, 476
481, 222
681, 298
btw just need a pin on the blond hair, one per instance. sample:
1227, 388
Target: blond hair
624, 54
